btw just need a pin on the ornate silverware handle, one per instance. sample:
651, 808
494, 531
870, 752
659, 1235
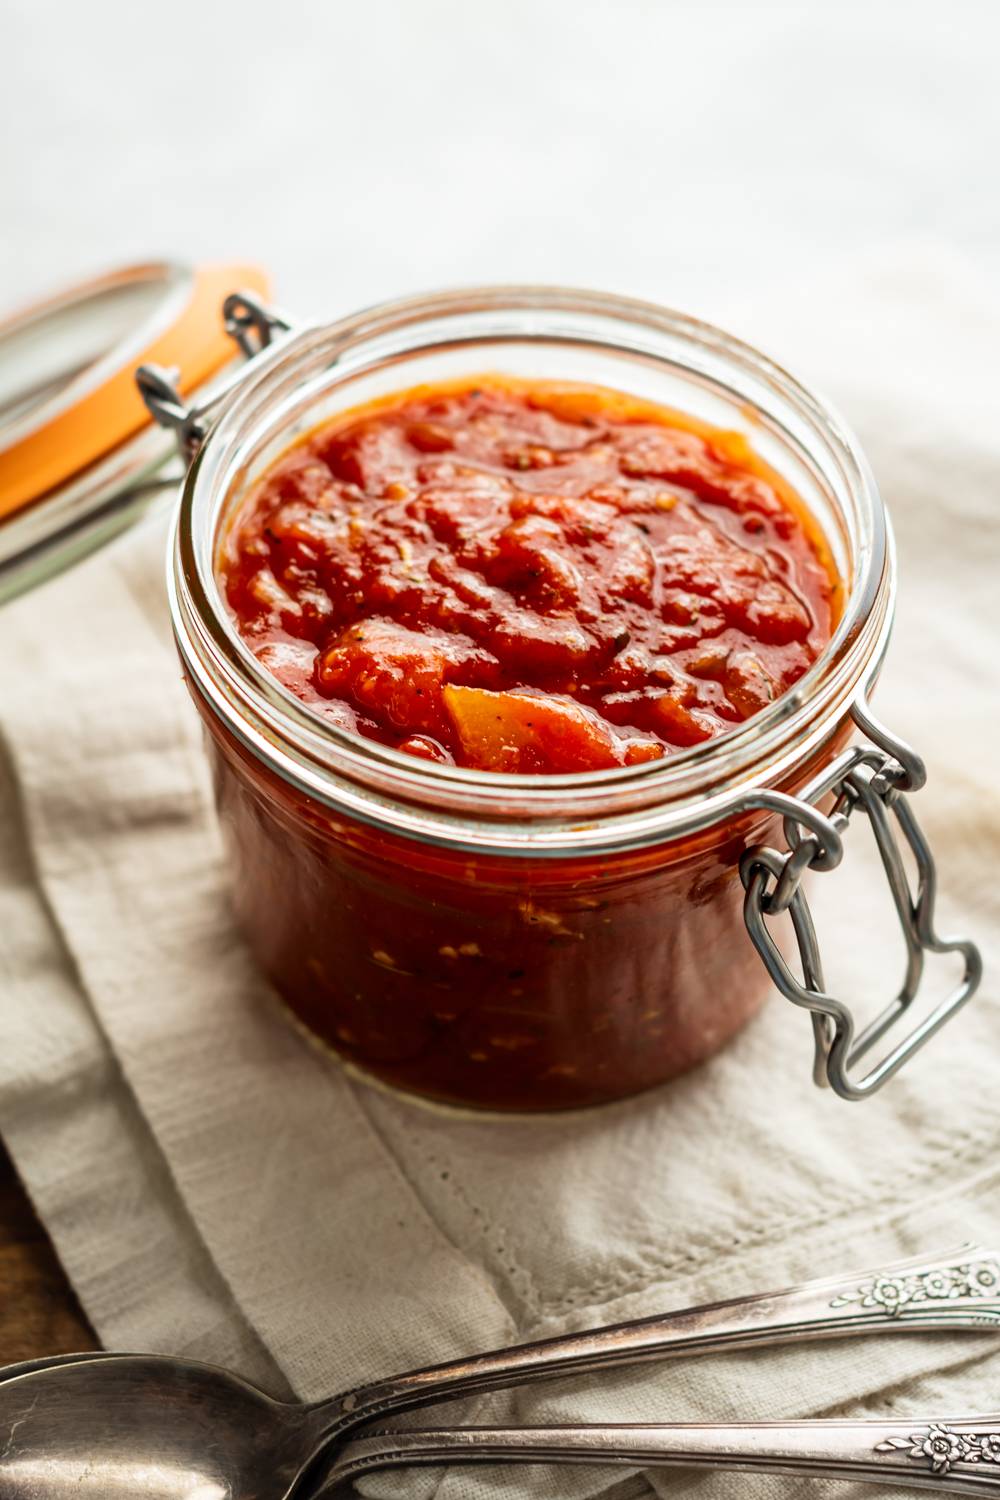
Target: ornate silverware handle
954, 1289
957, 1457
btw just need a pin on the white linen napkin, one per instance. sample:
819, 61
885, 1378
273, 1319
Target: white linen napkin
216, 1186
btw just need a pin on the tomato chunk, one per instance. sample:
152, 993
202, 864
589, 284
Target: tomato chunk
399, 673
525, 731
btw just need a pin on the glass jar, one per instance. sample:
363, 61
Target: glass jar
544, 942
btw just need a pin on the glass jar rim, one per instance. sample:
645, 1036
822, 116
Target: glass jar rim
485, 811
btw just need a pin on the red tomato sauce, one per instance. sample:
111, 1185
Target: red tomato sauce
528, 577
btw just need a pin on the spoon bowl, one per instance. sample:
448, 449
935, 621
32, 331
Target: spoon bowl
135, 1427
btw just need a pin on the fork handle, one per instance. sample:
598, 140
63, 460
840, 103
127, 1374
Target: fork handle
956, 1456
952, 1289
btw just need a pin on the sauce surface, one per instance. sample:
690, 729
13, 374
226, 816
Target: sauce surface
528, 577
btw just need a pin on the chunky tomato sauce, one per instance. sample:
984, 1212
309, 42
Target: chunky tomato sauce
528, 577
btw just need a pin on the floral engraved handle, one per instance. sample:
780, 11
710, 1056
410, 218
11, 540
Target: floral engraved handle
941, 1448
977, 1277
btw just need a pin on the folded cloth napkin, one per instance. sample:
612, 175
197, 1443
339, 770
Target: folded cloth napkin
217, 1187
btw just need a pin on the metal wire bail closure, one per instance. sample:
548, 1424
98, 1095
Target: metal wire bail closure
875, 780
253, 327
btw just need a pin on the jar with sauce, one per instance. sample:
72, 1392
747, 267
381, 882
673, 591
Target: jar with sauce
554, 912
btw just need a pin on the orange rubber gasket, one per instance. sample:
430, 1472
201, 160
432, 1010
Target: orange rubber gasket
196, 343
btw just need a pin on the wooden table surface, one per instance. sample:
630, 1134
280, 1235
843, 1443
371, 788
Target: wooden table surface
38, 1312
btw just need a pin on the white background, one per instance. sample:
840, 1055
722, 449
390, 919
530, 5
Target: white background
700, 154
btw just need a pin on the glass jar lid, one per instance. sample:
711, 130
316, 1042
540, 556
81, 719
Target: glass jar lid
79, 457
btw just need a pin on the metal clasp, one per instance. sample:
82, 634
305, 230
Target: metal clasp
874, 780
253, 327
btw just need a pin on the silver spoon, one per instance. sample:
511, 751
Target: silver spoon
144, 1427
